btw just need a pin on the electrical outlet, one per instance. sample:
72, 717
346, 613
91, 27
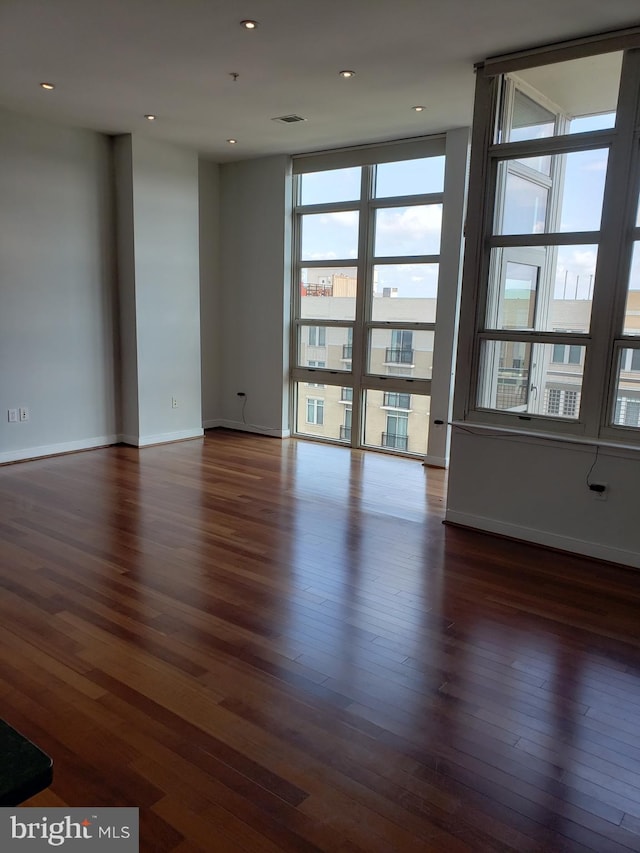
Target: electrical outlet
12, 415
24, 414
174, 403
600, 491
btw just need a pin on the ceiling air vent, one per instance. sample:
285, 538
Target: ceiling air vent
288, 119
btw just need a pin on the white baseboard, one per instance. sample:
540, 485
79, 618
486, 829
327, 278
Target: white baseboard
54, 449
26, 453
436, 461
212, 423
542, 537
161, 437
261, 430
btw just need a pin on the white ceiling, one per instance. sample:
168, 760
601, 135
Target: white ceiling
580, 86
114, 60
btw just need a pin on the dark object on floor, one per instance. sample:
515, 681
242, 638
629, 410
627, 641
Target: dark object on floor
25, 770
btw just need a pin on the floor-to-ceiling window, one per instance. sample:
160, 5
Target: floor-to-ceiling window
376, 278
550, 309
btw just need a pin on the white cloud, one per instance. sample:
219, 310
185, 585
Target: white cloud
410, 222
322, 256
599, 165
341, 217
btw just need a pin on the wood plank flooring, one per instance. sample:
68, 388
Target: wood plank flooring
278, 646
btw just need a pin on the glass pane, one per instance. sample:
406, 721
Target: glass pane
581, 93
405, 292
325, 346
345, 427
548, 288
329, 236
572, 270
331, 185
519, 300
530, 120
320, 382
323, 413
583, 124
403, 429
408, 230
627, 408
328, 293
400, 428
583, 191
401, 352
525, 206
541, 379
410, 177
632, 312
528, 206
540, 164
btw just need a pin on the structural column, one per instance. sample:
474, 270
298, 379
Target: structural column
159, 290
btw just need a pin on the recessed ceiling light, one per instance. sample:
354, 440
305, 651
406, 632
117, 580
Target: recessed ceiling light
232, 141
48, 86
249, 25
150, 117
347, 73
418, 109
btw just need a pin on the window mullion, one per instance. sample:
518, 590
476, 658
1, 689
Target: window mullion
612, 267
560, 238
405, 200
359, 332
482, 185
327, 207
565, 144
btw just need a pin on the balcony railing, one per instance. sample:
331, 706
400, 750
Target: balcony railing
345, 433
397, 442
347, 351
511, 396
393, 355
314, 289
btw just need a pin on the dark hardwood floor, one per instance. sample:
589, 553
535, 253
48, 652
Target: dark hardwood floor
278, 646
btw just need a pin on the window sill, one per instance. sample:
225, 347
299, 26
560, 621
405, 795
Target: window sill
541, 437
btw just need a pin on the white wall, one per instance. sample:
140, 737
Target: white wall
57, 315
166, 281
210, 295
128, 363
256, 285
536, 489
